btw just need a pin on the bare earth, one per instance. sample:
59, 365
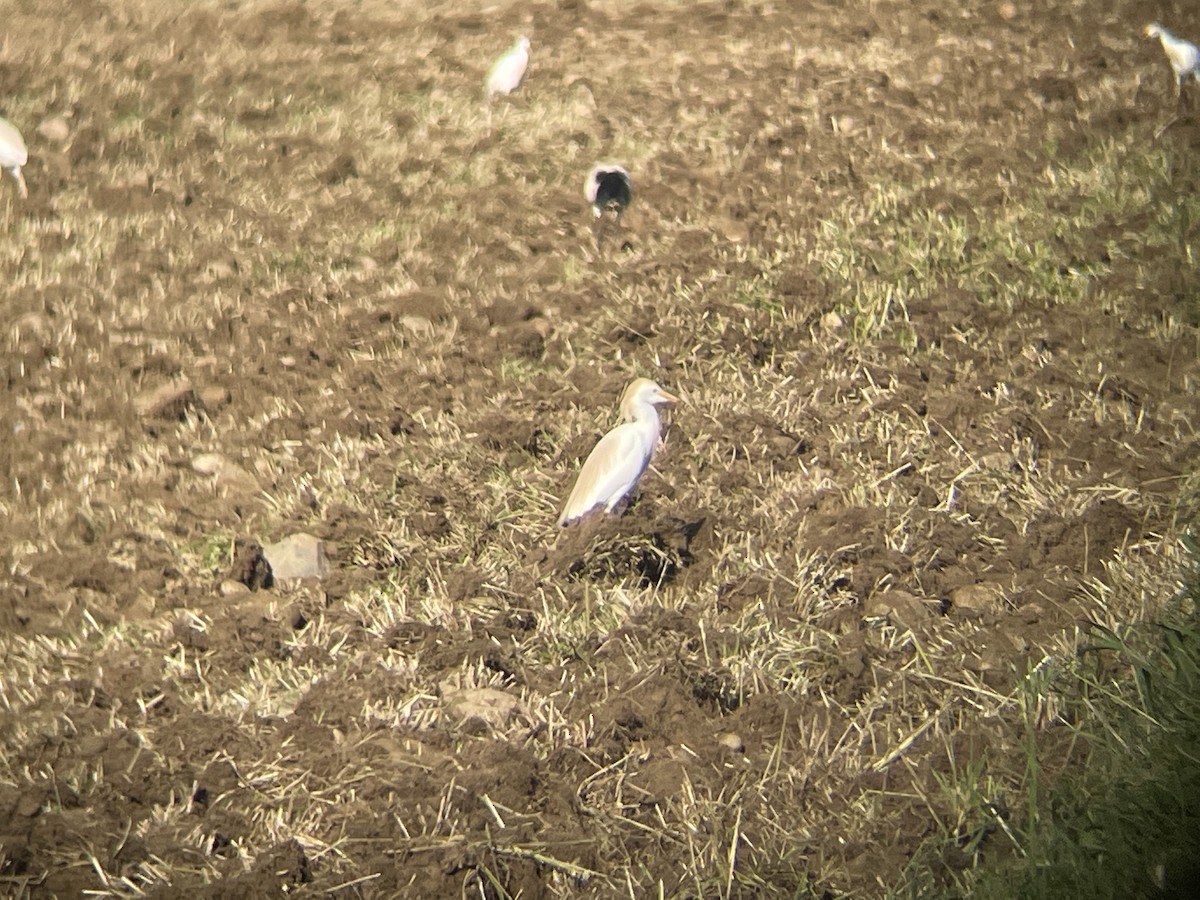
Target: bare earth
938, 390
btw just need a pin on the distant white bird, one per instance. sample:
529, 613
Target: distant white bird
508, 70
608, 187
1183, 56
13, 154
617, 462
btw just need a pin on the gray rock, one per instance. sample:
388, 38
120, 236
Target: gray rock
217, 466
899, 607
479, 709
974, 600
297, 556
732, 741
55, 129
231, 588
214, 396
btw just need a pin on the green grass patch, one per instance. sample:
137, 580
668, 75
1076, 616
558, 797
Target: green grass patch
904, 243
1124, 819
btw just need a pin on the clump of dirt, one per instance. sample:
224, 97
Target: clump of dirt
250, 567
937, 368
655, 548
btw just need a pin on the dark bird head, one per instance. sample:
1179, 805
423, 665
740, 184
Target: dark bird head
608, 187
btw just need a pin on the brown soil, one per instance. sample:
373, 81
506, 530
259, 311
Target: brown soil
200, 268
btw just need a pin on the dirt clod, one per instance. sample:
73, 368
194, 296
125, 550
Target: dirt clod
922, 277
250, 566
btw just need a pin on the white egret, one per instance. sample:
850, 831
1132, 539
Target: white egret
608, 187
617, 462
1183, 56
507, 71
13, 154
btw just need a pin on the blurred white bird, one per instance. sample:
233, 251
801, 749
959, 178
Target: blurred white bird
507, 71
13, 154
608, 187
1183, 56
617, 462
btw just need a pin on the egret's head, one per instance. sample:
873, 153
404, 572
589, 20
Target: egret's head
643, 390
1154, 30
523, 43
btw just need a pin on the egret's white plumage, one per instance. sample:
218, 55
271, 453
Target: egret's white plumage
13, 154
507, 71
1183, 56
617, 462
608, 186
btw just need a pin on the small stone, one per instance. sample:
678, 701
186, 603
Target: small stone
418, 326
297, 556
731, 741
480, 709
219, 269
288, 362
734, 231
55, 129
997, 462
168, 187
974, 600
236, 477
226, 472
139, 181
208, 463
27, 805
831, 321
169, 401
899, 607
231, 588
214, 396
1007, 11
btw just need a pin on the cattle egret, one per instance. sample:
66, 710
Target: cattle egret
507, 71
1183, 56
13, 154
608, 187
617, 462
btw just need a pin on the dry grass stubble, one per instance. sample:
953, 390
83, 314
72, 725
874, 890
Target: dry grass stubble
928, 321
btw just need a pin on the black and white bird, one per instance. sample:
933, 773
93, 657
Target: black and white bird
608, 187
508, 70
13, 154
617, 462
1183, 55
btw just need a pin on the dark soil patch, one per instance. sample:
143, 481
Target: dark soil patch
277, 232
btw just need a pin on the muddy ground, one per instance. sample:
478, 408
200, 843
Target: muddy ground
294, 235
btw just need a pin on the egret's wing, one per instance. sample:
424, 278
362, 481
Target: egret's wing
12, 145
1191, 61
495, 75
610, 472
1183, 55
499, 64
1178, 56
506, 73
